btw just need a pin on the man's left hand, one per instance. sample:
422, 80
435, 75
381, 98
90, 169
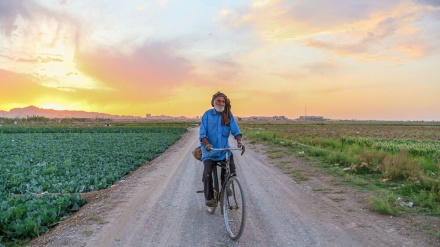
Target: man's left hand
239, 144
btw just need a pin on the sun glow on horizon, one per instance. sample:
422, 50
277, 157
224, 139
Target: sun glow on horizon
58, 107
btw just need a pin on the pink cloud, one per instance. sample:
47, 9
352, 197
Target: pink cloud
371, 30
150, 71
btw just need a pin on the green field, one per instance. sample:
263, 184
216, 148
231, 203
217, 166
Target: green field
44, 168
45, 165
391, 160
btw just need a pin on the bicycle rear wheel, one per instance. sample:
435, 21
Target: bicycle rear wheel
234, 208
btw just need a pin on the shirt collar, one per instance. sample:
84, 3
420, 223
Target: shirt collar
214, 112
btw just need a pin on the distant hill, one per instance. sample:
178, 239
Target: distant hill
33, 111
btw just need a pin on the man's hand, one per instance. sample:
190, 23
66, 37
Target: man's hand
239, 144
208, 147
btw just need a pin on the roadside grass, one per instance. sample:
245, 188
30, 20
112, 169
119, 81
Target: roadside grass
278, 152
323, 190
337, 199
336, 181
299, 175
286, 167
88, 233
97, 219
275, 155
390, 172
385, 202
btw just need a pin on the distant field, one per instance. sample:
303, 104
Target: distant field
43, 168
395, 159
385, 130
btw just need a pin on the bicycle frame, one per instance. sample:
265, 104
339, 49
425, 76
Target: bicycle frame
231, 198
223, 165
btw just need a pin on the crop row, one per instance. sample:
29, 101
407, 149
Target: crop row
29, 216
63, 129
76, 162
427, 148
60, 161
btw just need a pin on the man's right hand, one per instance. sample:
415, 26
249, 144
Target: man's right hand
208, 147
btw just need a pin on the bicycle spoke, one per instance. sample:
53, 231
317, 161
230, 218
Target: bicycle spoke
234, 209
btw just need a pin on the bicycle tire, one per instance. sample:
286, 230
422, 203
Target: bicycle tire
234, 208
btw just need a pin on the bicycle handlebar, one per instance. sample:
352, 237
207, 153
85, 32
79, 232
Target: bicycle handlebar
224, 149
229, 149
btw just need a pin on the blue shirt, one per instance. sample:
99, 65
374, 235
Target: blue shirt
211, 127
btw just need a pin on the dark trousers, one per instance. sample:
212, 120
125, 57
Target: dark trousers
207, 176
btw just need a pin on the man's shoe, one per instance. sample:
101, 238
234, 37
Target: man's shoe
211, 203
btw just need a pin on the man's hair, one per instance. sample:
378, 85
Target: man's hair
226, 114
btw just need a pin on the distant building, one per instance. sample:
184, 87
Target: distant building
311, 118
163, 118
264, 119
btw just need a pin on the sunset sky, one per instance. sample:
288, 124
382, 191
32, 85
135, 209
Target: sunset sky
341, 59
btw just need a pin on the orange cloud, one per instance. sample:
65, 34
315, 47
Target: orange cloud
149, 72
20, 90
372, 31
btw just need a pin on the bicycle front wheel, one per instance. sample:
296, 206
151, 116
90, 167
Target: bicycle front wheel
234, 208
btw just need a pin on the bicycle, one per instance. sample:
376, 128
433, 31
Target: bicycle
230, 196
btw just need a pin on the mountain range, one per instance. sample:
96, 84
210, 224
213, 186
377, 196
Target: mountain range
33, 111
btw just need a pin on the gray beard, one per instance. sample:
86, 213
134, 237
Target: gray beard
219, 108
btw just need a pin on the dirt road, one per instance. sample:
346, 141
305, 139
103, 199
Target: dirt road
158, 206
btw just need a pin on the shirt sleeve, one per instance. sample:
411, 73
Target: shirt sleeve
235, 130
203, 127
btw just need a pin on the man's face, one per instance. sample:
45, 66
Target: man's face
219, 104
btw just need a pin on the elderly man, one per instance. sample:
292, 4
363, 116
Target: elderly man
216, 126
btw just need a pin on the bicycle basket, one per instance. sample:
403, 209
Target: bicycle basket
197, 153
